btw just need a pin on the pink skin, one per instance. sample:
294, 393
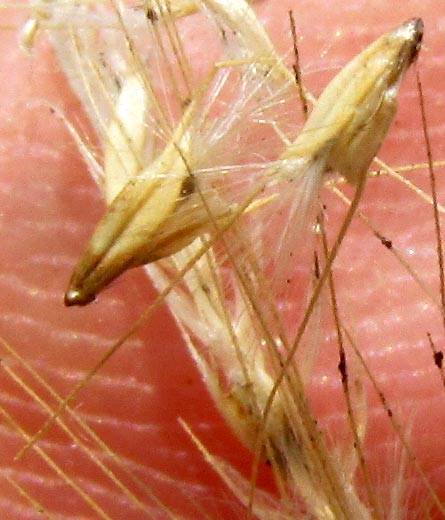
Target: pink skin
49, 207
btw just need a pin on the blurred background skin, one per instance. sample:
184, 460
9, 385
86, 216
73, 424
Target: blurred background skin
48, 207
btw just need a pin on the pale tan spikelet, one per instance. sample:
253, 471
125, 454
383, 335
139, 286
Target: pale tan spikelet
157, 222
357, 108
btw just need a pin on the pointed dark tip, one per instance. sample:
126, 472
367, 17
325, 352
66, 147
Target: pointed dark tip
417, 24
77, 297
415, 27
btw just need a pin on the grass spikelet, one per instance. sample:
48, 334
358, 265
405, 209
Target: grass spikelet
315, 326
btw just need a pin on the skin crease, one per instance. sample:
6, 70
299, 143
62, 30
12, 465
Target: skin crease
48, 208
